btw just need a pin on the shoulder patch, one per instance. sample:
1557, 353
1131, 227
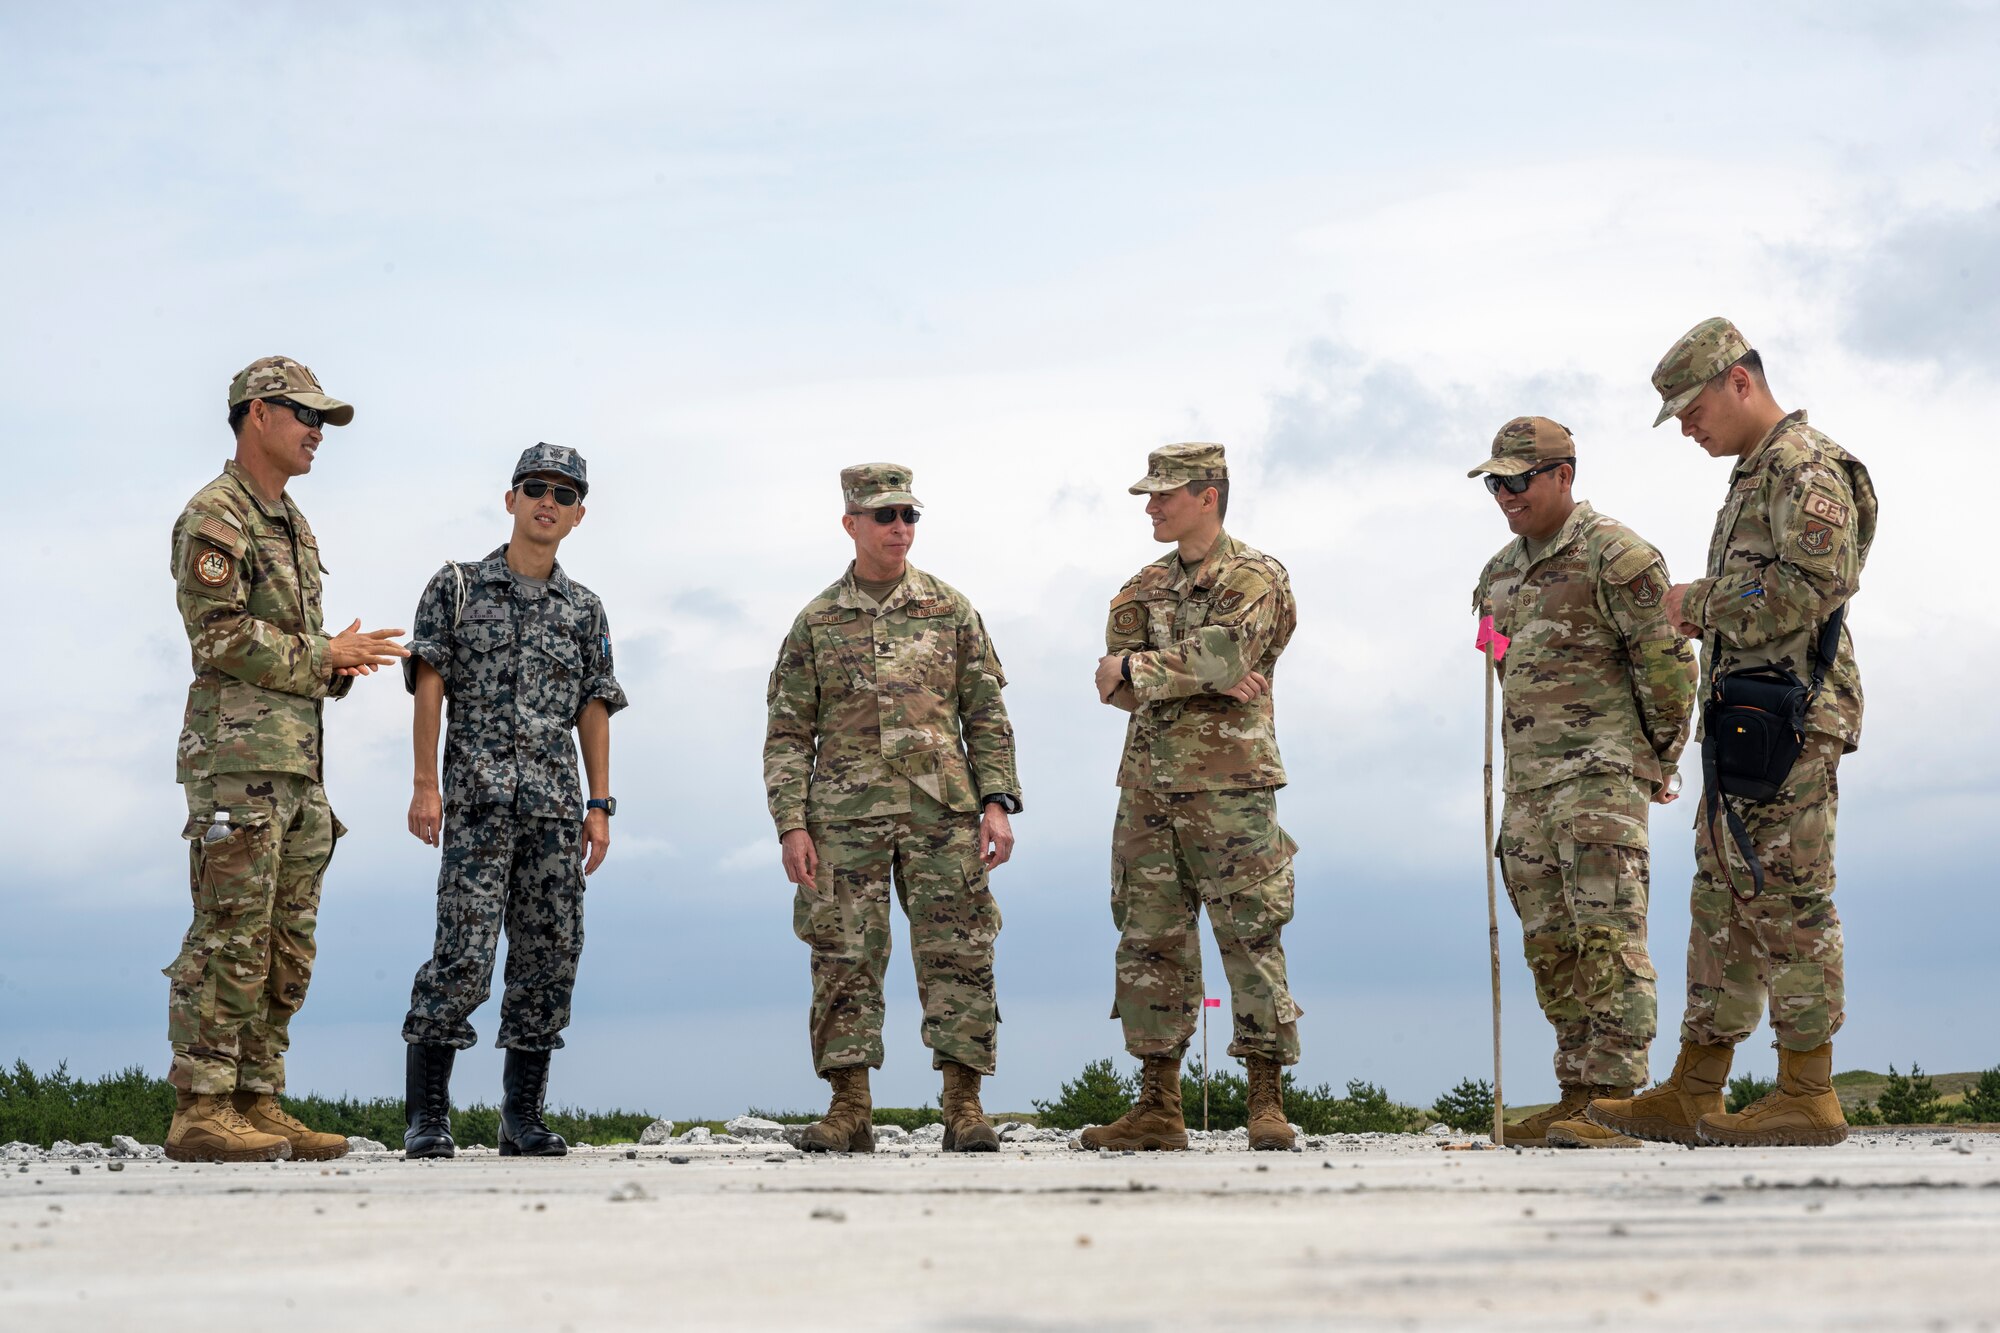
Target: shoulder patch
1824, 507
1127, 617
220, 534
214, 568
1815, 538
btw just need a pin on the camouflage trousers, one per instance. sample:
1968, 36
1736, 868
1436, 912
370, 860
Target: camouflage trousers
247, 959
1574, 858
1785, 942
520, 873
931, 856
1171, 854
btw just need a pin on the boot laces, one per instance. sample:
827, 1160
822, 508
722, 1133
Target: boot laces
231, 1118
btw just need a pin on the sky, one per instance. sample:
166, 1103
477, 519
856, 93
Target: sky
726, 250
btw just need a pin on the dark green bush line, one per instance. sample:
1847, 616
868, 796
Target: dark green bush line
1100, 1095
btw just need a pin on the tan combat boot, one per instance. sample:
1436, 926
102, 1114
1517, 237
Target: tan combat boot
1269, 1130
1533, 1132
1577, 1132
1669, 1112
1154, 1123
848, 1125
966, 1128
1802, 1111
208, 1128
308, 1145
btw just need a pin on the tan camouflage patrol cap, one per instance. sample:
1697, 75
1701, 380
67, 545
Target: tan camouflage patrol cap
1173, 466
1525, 442
557, 459
877, 486
1704, 351
282, 377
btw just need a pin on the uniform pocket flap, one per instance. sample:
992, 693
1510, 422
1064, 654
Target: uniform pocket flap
249, 817
563, 650
1603, 829
1630, 565
486, 636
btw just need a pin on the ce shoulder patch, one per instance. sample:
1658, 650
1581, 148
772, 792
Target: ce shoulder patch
1824, 507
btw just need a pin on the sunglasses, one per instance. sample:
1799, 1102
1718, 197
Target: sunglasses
309, 417
890, 513
1517, 484
535, 488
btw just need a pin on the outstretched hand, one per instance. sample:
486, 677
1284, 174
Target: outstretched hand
353, 648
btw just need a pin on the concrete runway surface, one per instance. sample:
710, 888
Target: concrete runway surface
1894, 1230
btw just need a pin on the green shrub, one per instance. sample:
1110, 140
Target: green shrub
1864, 1114
1467, 1107
1097, 1096
1366, 1109
1745, 1089
1228, 1097
1982, 1099
1910, 1100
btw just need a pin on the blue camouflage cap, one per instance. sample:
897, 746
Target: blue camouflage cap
559, 459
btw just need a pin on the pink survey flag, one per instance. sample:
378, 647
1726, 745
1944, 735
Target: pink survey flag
1487, 634
1211, 1004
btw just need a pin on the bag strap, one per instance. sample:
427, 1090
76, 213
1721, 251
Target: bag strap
1827, 648
1713, 803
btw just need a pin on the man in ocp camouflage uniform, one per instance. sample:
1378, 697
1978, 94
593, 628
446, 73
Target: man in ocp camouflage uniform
889, 761
1597, 688
1193, 640
260, 832
1785, 556
523, 652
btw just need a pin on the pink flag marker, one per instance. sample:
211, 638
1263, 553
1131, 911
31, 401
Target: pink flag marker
1211, 1004
1487, 634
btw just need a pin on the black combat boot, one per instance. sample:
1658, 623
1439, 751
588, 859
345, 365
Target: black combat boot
427, 1101
524, 1082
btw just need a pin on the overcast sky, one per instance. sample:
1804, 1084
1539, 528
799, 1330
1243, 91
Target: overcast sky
726, 250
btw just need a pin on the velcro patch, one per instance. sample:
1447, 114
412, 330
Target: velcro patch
1645, 590
1825, 507
928, 606
213, 568
1816, 538
1127, 619
1229, 601
1629, 564
219, 534
833, 617
484, 611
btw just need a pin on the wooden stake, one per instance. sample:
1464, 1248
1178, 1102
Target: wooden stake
1492, 907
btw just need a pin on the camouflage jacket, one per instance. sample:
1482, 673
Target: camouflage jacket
518, 665
867, 701
1189, 634
1788, 548
247, 576
1595, 680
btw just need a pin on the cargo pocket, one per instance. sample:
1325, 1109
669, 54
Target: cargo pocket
232, 874
1240, 861
1607, 865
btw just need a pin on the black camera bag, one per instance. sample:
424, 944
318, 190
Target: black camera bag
1753, 732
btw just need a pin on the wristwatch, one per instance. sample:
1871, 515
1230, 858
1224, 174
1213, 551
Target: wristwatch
608, 804
1008, 804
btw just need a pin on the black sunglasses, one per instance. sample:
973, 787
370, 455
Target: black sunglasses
890, 513
535, 488
309, 417
1518, 483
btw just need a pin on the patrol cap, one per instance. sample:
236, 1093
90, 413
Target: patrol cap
1527, 442
559, 459
877, 486
282, 377
1173, 466
1704, 351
